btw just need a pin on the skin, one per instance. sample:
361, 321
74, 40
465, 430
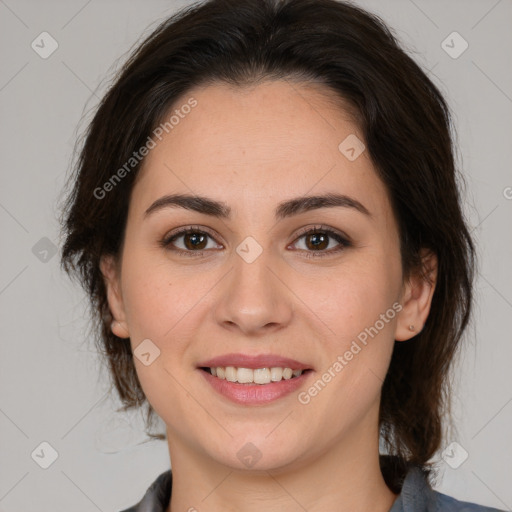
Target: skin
252, 148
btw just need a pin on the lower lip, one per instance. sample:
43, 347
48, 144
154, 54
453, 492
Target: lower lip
255, 394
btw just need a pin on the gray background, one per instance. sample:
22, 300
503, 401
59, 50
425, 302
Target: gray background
51, 386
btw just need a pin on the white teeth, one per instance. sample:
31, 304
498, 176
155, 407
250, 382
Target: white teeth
231, 374
256, 376
261, 376
245, 375
276, 374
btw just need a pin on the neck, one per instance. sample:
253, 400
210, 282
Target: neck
347, 477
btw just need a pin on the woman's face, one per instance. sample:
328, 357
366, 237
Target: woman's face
253, 283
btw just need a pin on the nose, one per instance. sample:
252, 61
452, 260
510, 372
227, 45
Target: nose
255, 298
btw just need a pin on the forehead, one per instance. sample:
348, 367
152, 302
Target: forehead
275, 138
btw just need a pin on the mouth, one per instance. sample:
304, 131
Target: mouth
259, 376
254, 380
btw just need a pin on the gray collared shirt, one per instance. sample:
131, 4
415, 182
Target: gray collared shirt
416, 496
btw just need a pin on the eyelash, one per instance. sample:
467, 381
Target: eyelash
341, 239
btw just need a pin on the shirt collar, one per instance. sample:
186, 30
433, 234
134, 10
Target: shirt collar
415, 496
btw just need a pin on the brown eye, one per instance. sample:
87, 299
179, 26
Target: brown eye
319, 241
195, 241
189, 241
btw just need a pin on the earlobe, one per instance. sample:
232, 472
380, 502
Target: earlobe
110, 272
120, 329
417, 298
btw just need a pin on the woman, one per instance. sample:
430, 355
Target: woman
265, 214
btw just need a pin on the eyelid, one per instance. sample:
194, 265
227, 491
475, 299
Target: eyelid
323, 229
188, 229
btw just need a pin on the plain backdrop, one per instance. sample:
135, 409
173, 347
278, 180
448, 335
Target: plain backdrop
52, 390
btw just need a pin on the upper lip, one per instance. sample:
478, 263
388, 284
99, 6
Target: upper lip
253, 362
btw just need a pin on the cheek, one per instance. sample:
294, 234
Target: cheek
359, 306
156, 306
354, 298
156, 298
147, 305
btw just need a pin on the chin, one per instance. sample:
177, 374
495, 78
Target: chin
259, 452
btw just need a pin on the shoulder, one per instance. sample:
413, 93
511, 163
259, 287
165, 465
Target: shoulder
449, 503
157, 495
417, 496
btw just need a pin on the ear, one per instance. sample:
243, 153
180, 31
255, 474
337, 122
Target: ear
111, 276
417, 294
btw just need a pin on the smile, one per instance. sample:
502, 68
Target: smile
253, 376
250, 393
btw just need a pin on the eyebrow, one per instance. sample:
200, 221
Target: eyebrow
285, 209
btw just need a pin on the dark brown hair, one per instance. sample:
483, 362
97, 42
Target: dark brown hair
407, 129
